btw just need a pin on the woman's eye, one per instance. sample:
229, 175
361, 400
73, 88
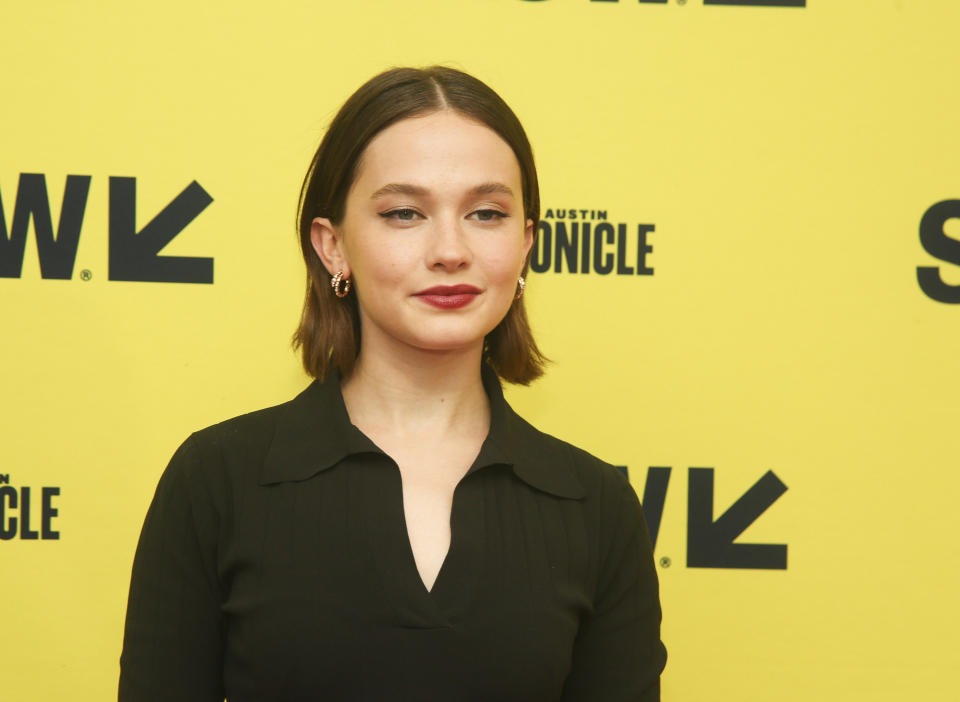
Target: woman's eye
489, 215
404, 214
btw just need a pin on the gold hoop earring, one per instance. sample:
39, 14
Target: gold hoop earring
521, 284
335, 284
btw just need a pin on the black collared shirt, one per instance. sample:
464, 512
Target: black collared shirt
274, 564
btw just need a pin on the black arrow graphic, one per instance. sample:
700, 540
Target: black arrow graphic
710, 543
135, 256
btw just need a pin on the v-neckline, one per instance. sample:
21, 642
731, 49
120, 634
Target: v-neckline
455, 583
409, 543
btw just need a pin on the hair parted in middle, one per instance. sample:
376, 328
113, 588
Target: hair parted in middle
328, 335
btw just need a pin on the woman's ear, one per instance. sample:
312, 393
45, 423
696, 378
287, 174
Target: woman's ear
527, 239
327, 242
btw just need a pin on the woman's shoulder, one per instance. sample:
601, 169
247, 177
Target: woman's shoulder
608, 499
238, 445
598, 480
242, 432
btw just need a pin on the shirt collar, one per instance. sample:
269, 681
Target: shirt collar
314, 433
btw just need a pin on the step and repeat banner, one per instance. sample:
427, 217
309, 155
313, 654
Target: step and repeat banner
747, 279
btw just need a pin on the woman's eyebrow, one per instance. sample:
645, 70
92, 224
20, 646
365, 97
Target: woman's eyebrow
399, 189
491, 188
409, 189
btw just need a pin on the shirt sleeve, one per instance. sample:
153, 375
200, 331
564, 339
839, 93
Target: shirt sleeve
618, 655
172, 645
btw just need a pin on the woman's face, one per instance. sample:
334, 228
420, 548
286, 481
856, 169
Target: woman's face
433, 237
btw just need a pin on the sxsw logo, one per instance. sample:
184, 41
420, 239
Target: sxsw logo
711, 542
939, 243
132, 255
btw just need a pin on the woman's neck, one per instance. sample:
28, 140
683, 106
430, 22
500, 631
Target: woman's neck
418, 393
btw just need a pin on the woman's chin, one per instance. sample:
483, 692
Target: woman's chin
454, 345
448, 342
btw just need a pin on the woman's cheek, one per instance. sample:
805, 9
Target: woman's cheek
509, 266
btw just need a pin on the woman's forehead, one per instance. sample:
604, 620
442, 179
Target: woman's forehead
440, 150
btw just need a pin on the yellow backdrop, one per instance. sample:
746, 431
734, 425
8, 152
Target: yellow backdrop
757, 176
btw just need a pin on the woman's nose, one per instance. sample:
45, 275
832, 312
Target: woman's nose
448, 247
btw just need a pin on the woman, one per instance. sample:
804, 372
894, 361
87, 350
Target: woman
396, 531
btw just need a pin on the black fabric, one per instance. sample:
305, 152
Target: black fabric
274, 564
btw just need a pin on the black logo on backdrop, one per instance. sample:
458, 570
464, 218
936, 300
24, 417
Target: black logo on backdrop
23, 510
584, 241
756, 3
132, 255
741, 3
710, 542
933, 237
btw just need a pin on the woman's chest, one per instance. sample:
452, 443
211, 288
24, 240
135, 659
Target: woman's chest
320, 576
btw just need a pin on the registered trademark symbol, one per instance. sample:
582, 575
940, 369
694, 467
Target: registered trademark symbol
665, 561
86, 274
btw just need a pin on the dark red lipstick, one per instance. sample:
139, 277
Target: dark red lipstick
449, 296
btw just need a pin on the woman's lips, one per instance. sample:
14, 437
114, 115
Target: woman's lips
449, 296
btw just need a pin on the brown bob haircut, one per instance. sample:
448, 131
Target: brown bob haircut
329, 331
